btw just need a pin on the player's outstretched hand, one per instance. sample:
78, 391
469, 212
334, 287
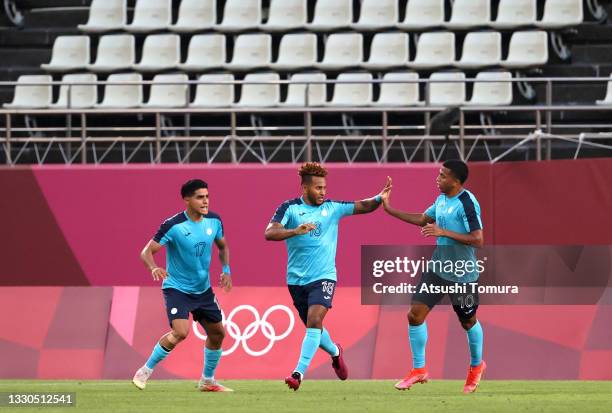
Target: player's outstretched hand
431, 230
386, 193
159, 274
226, 282
305, 228
387, 187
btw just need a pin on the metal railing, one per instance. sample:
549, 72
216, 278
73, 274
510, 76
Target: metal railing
233, 142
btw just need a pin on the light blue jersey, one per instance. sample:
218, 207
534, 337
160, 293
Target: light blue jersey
312, 256
188, 250
460, 214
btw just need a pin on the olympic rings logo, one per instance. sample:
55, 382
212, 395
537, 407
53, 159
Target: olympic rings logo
241, 337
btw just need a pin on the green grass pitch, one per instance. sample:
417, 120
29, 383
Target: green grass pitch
254, 396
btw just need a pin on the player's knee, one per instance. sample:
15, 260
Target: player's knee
467, 323
414, 318
314, 322
180, 334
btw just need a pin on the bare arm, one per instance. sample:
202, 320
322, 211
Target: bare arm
369, 205
146, 256
277, 232
226, 279
412, 218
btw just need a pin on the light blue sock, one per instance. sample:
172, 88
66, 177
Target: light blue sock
211, 359
156, 356
327, 344
311, 342
418, 341
475, 339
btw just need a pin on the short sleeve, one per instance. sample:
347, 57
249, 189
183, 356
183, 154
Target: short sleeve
282, 214
164, 233
470, 213
431, 211
343, 208
220, 231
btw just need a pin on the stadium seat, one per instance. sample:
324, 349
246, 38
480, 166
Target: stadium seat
492, 93
423, 14
150, 15
286, 15
195, 15
214, 95
115, 52
81, 96
342, 50
159, 52
69, 53
352, 94
251, 51
399, 94
240, 15
260, 95
388, 50
105, 15
469, 13
332, 15
447, 94
605, 101
527, 48
561, 13
122, 96
296, 93
168, 95
296, 51
377, 14
34, 96
480, 49
515, 13
206, 51
434, 49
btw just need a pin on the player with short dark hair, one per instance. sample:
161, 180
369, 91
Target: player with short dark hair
309, 225
188, 237
454, 218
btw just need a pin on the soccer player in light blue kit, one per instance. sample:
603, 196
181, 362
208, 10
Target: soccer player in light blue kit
188, 237
454, 219
309, 225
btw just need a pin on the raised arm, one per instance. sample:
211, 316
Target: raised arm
419, 219
226, 279
371, 204
277, 232
146, 256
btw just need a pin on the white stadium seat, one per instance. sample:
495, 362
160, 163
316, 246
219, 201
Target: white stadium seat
399, 94
168, 95
195, 15
206, 51
34, 96
607, 100
447, 94
251, 51
332, 15
69, 53
214, 95
240, 15
561, 13
515, 13
260, 95
388, 50
434, 49
115, 52
469, 13
352, 94
376, 14
159, 52
480, 49
296, 50
492, 93
286, 15
527, 48
296, 93
122, 96
423, 14
105, 15
342, 50
150, 15
81, 96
